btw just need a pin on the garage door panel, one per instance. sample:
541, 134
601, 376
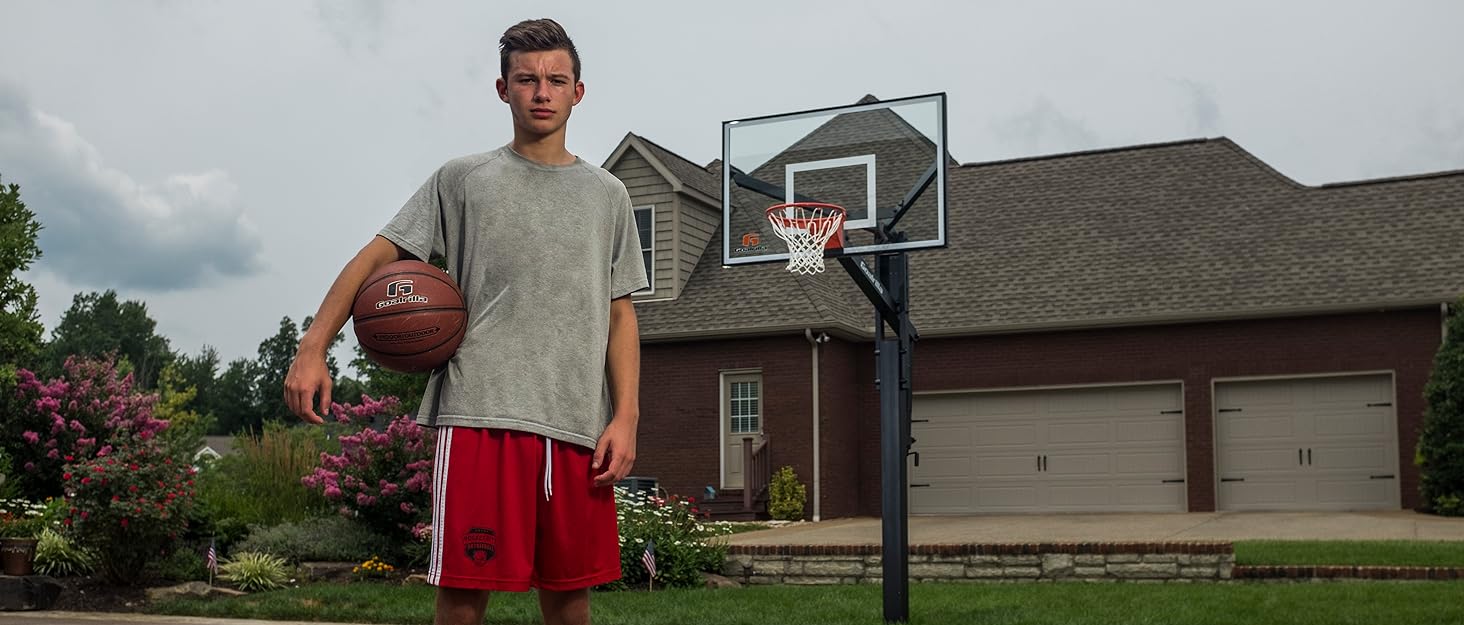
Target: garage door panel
1080, 495
940, 467
1161, 464
1003, 405
1081, 432
1349, 391
1365, 458
1256, 395
1079, 464
1150, 497
1078, 401
1001, 466
1250, 461
1004, 435
941, 406
934, 437
1157, 398
949, 499
1370, 423
1166, 430
1353, 491
1258, 427
1258, 494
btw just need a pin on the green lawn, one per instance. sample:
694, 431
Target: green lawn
1396, 603
1349, 552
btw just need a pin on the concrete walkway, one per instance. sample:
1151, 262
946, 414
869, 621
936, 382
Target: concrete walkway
1205, 526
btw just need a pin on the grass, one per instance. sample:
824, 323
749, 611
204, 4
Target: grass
1350, 552
1396, 603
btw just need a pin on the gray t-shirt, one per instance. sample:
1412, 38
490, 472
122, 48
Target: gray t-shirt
545, 250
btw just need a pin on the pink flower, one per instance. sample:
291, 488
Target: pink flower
31, 438
331, 492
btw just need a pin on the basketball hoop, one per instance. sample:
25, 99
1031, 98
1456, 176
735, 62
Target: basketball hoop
809, 228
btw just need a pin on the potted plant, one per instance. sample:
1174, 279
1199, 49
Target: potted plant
21, 523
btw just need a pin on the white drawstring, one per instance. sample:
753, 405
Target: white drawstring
548, 467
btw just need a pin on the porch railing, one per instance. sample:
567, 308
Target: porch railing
757, 469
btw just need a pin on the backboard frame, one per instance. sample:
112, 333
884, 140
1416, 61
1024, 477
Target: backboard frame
873, 221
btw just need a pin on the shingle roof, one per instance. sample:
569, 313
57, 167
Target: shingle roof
691, 174
1192, 230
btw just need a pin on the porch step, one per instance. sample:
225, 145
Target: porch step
727, 506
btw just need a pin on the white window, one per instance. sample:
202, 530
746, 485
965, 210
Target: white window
645, 223
745, 408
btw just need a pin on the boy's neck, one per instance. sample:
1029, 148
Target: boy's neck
543, 150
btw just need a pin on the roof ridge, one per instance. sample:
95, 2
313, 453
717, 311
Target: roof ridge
1093, 152
668, 151
1391, 179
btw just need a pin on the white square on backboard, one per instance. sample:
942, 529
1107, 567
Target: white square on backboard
867, 160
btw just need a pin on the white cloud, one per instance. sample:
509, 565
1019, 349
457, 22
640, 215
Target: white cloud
101, 228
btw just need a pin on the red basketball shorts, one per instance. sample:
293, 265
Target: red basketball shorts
513, 510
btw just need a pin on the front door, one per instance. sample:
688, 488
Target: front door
741, 418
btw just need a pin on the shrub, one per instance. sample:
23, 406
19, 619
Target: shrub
20, 518
786, 496
333, 539
260, 483
57, 556
83, 415
1441, 440
383, 479
683, 548
128, 506
182, 565
251, 570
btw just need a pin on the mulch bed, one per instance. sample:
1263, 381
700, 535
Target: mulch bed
93, 594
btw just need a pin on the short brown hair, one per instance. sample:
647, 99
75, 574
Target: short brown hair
535, 36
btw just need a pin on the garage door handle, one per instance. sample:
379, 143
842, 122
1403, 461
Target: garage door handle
1380, 477
1381, 404
919, 486
920, 420
1178, 481
1171, 412
1232, 479
1230, 410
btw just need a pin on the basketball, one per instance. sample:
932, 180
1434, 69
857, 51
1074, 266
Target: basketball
409, 316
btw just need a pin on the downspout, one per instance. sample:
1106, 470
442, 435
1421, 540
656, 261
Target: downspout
813, 343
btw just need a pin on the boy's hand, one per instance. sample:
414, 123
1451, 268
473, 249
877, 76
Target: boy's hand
615, 451
308, 376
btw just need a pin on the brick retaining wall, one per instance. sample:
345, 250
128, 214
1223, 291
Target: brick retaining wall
856, 564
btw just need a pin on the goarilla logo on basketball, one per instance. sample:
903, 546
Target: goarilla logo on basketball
400, 292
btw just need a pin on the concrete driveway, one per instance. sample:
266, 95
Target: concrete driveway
1122, 527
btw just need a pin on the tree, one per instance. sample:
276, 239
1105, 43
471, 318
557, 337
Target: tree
20, 326
380, 382
186, 427
276, 354
201, 373
1441, 441
98, 324
237, 401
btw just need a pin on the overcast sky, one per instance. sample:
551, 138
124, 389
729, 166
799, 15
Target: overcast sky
223, 160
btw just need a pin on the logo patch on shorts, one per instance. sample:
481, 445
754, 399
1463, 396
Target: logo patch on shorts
478, 545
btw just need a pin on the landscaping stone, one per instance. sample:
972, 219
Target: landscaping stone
1090, 571
1159, 557
984, 572
415, 579
833, 568
28, 592
1057, 565
1021, 560
983, 560
1021, 572
1088, 559
810, 581
190, 589
937, 569
1136, 571
328, 571
717, 581
1123, 558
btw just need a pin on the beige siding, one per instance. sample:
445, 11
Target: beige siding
698, 223
648, 188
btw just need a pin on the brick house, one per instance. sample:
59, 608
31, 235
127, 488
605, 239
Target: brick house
1167, 327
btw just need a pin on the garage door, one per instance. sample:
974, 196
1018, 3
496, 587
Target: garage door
1307, 444
1062, 450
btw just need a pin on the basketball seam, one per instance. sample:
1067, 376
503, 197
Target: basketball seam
439, 344
404, 312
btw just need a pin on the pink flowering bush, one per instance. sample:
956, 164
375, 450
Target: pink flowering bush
381, 478
86, 414
128, 506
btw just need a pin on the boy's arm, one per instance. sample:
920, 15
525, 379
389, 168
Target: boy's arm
308, 374
622, 364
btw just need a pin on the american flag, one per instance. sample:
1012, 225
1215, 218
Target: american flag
649, 558
213, 557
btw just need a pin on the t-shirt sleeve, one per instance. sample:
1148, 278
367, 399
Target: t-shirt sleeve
417, 226
627, 270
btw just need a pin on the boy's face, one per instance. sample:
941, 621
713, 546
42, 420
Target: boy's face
540, 90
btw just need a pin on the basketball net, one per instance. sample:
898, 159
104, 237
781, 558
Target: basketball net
808, 228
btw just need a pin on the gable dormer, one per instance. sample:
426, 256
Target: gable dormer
677, 208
